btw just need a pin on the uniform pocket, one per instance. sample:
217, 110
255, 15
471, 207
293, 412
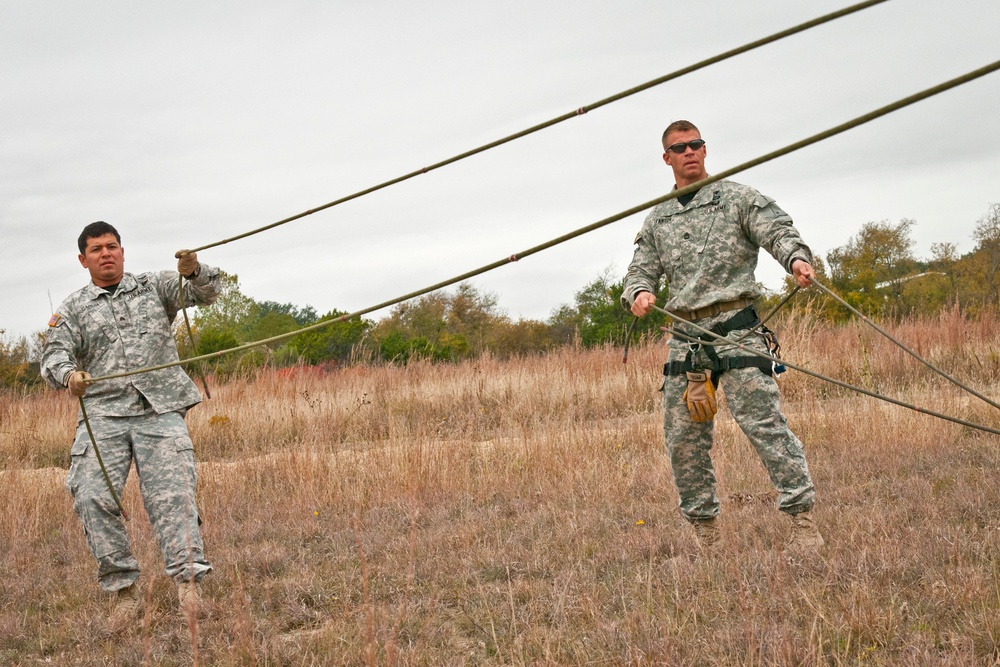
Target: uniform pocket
81, 444
183, 443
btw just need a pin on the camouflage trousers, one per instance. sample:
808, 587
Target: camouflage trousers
164, 461
754, 401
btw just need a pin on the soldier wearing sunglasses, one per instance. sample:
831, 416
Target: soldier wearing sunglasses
705, 245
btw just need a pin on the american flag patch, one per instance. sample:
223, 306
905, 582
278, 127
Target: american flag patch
54, 320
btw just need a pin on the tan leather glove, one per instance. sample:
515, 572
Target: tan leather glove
187, 263
700, 396
77, 383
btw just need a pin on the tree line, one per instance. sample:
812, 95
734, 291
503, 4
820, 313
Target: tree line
876, 271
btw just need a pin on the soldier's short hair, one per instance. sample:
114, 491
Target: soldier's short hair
678, 126
93, 231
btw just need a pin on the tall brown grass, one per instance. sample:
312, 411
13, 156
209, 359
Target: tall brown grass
522, 512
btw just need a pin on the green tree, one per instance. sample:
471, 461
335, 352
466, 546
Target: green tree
269, 325
302, 316
598, 317
211, 339
232, 311
987, 237
15, 369
867, 271
440, 326
334, 342
521, 338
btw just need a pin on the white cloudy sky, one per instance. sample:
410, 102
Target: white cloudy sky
184, 123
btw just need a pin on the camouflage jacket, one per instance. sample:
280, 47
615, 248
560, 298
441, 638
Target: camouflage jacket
707, 250
105, 334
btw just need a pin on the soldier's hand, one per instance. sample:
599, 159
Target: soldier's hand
643, 303
803, 273
77, 383
187, 263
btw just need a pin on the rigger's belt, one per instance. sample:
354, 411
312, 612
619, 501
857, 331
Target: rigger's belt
714, 309
745, 319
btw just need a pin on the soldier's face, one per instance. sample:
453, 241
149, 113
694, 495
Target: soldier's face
105, 259
688, 166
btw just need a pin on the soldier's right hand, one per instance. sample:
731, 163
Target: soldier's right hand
77, 383
643, 303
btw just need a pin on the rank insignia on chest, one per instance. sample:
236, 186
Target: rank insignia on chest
55, 320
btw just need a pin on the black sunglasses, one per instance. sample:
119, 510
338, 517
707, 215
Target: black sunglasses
682, 146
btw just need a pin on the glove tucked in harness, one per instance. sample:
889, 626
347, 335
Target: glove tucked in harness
700, 396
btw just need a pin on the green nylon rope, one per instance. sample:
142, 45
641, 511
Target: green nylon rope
843, 127
187, 325
100, 461
910, 352
559, 119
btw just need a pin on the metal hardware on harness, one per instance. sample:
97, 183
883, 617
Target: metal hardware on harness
745, 319
773, 346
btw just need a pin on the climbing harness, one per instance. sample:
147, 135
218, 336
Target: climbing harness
710, 337
744, 319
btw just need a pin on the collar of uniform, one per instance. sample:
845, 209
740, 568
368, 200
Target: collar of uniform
709, 194
126, 284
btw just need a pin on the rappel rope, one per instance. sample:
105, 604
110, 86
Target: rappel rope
100, 461
910, 352
722, 341
531, 130
187, 325
679, 192
860, 120
559, 119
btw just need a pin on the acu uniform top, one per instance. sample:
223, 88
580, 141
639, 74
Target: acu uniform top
107, 333
708, 249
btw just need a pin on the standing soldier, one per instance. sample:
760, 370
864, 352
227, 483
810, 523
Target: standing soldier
121, 322
706, 245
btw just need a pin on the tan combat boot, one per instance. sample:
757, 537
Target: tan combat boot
189, 600
126, 609
707, 532
805, 535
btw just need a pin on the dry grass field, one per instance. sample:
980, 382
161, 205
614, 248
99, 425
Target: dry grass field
522, 513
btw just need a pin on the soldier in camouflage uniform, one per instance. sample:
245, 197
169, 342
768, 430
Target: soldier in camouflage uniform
706, 246
121, 322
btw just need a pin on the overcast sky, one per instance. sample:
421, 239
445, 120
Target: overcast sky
183, 123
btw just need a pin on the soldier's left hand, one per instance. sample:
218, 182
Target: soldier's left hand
77, 383
803, 273
187, 263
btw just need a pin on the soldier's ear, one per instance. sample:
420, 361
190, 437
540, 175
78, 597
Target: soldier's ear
83, 260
